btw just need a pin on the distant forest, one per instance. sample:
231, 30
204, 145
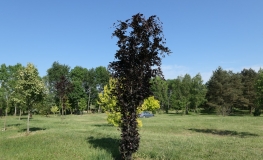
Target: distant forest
225, 93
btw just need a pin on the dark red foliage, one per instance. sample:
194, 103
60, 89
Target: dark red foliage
63, 87
137, 61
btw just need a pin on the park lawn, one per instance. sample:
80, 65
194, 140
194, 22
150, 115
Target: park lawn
165, 136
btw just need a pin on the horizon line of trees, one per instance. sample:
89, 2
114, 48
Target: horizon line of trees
223, 93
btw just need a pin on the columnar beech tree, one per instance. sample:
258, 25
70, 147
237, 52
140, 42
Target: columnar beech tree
137, 61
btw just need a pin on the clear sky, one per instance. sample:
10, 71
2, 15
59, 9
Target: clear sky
202, 34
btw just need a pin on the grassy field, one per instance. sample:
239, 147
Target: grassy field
165, 136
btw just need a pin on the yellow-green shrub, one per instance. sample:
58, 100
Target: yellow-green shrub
108, 104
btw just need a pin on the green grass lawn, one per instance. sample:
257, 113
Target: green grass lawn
165, 136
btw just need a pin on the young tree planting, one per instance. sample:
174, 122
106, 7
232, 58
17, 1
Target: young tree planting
150, 104
31, 86
108, 103
82, 104
141, 43
54, 110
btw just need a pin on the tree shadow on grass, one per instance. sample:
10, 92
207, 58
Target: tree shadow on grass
11, 125
24, 118
111, 145
33, 129
102, 125
225, 132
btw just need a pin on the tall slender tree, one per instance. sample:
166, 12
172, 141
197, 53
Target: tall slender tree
137, 61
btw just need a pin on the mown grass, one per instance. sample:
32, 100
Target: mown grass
165, 136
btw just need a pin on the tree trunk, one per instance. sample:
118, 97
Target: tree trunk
5, 119
28, 121
186, 110
89, 101
62, 106
15, 111
5, 114
130, 136
62, 112
20, 114
168, 103
251, 110
166, 108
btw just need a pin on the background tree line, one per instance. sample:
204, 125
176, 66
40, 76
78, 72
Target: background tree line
225, 93
85, 84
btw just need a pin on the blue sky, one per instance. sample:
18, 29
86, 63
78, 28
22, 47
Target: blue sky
202, 34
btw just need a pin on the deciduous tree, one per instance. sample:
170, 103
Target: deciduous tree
198, 92
108, 103
138, 53
54, 74
82, 104
63, 88
54, 110
160, 91
31, 86
259, 91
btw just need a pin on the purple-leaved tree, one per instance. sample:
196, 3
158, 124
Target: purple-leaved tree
141, 46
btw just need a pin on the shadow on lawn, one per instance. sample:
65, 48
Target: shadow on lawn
109, 144
24, 118
224, 132
10, 125
33, 129
102, 125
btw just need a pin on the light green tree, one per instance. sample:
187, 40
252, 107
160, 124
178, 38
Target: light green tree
54, 110
150, 104
108, 103
82, 104
69, 106
8, 80
159, 89
198, 92
31, 86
